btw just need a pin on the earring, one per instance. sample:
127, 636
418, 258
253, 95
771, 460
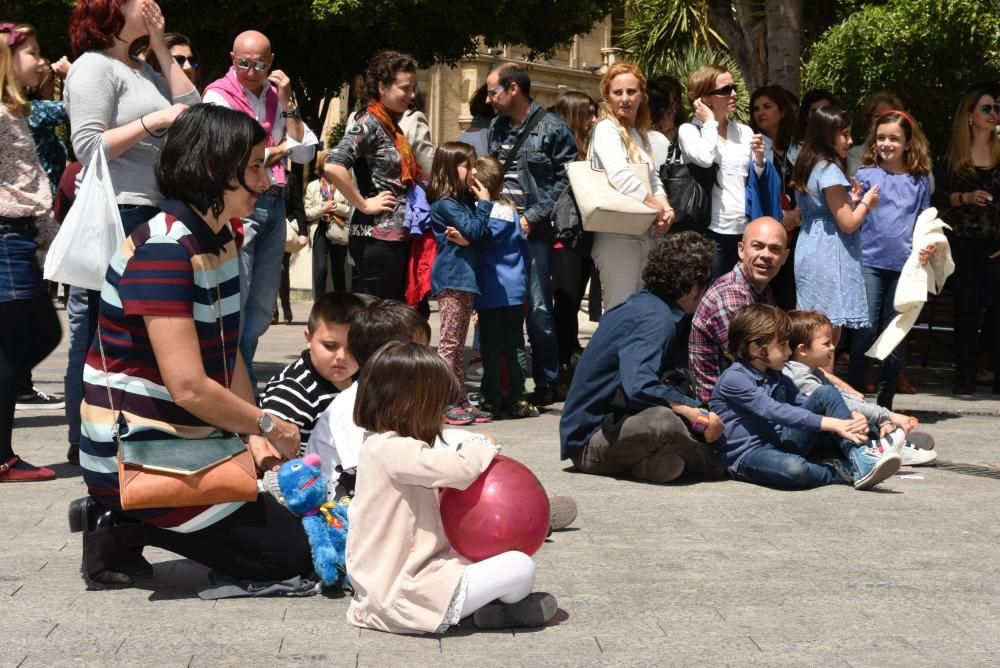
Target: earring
216, 207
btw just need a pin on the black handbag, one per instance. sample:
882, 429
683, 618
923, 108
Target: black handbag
689, 191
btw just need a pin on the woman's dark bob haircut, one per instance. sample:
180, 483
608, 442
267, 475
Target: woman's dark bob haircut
206, 151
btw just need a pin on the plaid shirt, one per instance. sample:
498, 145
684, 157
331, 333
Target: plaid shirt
710, 327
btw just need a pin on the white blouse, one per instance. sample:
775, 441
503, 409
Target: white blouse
611, 156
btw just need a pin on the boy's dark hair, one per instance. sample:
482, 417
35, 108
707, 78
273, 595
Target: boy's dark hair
404, 388
478, 106
335, 308
444, 182
803, 326
679, 263
377, 323
382, 69
509, 73
756, 323
208, 147
489, 172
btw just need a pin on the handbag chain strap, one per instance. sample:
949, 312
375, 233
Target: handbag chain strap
104, 362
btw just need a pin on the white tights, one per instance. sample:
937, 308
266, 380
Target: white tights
509, 577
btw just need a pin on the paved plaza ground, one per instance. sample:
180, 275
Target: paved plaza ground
720, 573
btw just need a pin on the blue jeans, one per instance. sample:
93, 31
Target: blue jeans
727, 252
786, 465
76, 316
260, 273
880, 286
20, 275
541, 321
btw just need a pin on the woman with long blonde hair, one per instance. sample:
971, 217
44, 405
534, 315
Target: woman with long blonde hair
968, 198
621, 136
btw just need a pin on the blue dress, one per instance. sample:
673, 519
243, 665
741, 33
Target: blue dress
828, 275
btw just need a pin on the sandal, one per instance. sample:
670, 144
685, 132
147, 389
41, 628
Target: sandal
16, 469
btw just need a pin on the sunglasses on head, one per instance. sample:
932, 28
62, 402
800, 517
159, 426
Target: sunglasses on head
725, 91
187, 59
259, 65
988, 109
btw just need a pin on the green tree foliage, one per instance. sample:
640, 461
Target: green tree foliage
656, 28
323, 44
927, 51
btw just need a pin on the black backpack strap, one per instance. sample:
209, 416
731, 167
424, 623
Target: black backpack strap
529, 125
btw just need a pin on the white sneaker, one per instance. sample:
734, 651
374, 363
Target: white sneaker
915, 456
893, 441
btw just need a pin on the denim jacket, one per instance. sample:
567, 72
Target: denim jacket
455, 266
541, 162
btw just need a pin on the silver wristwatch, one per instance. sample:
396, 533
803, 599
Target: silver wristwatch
265, 424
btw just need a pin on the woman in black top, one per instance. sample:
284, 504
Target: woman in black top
968, 198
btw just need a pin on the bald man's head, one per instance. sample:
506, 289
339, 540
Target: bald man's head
763, 250
252, 59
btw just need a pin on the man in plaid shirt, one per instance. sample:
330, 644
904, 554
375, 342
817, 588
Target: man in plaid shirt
763, 250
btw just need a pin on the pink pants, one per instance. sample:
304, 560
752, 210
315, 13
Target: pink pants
456, 312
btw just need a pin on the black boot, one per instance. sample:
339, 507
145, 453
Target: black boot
112, 542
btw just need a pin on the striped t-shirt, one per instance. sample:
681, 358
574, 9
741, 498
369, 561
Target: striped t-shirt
168, 267
299, 395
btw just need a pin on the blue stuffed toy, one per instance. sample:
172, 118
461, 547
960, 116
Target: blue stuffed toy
304, 490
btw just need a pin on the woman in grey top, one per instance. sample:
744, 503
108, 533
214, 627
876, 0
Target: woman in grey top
121, 104
386, 170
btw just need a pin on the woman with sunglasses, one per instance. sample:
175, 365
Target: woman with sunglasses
968, 199
713, 139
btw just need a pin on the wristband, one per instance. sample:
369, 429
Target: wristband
700, 423
865, 203
291, 113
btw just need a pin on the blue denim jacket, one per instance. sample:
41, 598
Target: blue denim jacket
455, 266
541, 162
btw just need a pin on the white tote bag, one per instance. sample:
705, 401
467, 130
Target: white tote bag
91, 232
602, 207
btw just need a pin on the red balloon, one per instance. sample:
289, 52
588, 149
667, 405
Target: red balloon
505, 509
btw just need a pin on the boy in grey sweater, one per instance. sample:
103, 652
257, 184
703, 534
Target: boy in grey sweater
811, 341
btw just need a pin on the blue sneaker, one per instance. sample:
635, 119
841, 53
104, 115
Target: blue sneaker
872, 467
840, 467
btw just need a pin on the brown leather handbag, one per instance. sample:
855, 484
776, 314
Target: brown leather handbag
179, 473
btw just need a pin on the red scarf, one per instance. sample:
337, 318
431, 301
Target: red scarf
410, 172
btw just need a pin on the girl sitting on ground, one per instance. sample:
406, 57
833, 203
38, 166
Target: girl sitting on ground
406, 576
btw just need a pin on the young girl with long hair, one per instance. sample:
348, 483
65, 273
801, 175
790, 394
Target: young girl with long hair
968, 197
897, 160
460, 215
406, 576
30, 327
828, 275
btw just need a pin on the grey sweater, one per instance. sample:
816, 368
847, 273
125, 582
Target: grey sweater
102, 93
808, 380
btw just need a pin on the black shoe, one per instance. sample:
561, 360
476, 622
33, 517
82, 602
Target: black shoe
37, 400
544, 396
109, 541
532, 611
73, 454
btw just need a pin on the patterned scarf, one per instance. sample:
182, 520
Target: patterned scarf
410, 173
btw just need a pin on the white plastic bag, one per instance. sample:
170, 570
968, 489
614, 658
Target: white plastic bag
90, 234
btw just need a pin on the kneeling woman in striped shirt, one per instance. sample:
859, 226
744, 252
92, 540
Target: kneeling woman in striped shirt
166, 365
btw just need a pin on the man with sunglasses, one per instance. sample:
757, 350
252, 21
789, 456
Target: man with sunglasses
535, 176
253, 87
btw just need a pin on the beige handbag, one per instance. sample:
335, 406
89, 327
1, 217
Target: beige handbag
602, 207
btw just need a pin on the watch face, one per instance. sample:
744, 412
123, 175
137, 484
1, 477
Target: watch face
265, 423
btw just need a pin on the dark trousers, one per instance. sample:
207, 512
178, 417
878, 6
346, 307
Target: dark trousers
783, 285
285, 289
327, 258
656, 430
501, 338
975, 285
570, 272
30, 331
381, 266
260, 541
727, 252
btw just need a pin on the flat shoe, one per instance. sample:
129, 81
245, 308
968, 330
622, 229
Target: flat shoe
18, 470
532, 611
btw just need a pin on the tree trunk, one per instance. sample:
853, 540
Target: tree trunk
784, 23
744, 35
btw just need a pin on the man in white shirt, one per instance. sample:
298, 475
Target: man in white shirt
252, 87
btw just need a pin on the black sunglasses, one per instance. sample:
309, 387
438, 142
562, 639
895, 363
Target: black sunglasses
725, 91
190, 59
988, 109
